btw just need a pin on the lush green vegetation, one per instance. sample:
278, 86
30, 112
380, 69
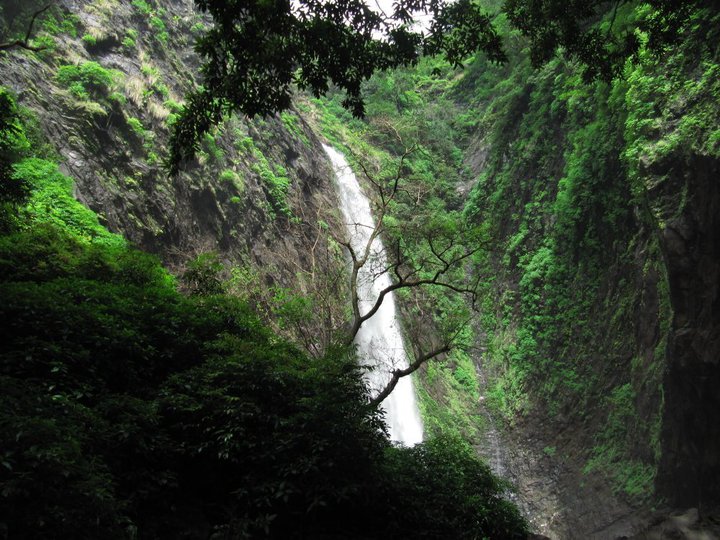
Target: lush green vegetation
412, 116
566, 191
571, 262
87, 80
274, 177
130, 410
137, 410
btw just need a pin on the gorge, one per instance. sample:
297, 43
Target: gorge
173, 347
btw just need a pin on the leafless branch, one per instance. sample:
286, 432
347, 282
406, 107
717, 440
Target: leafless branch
397, 374
420, 359
404, 283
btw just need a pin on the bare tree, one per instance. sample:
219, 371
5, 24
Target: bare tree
422, 251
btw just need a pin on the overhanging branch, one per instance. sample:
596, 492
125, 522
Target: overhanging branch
25, 43
397, 374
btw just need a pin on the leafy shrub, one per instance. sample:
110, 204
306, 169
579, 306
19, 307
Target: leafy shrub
211, 148
203, 275
89, 40
137, 127
233, 178
65, 24
157, 23
129, 42
118, 98
143, 7
440, 489
51, 201
87, 80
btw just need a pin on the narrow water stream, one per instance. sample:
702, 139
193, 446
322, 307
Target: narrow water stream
379, 342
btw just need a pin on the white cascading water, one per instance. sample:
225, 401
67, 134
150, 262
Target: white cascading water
379, 341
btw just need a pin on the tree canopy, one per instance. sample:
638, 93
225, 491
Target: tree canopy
257, 51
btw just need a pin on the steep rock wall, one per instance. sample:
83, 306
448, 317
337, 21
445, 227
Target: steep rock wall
600, 322
255, 194
689, 230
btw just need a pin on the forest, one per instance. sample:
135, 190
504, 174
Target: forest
187, 348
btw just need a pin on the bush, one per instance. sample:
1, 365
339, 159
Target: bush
440, 489
203, 275
89, 40
87, 80
129, 42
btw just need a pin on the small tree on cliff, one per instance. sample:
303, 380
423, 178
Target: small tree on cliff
425, 255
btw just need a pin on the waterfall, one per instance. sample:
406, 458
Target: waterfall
379, 341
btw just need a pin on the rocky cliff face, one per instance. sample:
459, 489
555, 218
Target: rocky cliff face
690, 237
679, 166
255, 194
601, 341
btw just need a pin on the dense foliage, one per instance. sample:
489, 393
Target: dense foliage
256, 52
573, 182
577, 307
130, 410
13, 144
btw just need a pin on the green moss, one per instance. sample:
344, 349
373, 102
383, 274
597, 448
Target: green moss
231, 177
89, 40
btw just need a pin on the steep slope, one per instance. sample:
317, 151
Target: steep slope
600, 307
105, 91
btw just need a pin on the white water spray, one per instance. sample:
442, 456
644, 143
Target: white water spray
379, 341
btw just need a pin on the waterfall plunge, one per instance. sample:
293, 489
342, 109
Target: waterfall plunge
379, 341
